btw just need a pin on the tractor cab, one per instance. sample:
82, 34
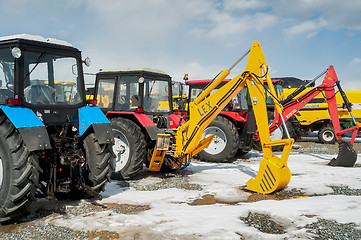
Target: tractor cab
135, 90
44, 75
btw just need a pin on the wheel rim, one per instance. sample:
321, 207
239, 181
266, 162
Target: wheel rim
1, 172
122, 151
219, 141
328, 136
277, 134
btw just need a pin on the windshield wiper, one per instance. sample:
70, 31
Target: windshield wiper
151, 89
41, 56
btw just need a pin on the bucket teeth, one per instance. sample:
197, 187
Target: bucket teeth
346, 157
270, 178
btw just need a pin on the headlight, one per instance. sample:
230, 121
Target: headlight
16, 52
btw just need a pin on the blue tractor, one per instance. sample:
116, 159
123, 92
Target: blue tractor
52, 140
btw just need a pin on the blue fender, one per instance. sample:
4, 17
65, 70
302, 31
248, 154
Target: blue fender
93, 116
31, 129
22, 117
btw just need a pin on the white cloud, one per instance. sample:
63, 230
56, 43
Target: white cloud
307, 27
226, 24
245, 5
336, 13
356, 61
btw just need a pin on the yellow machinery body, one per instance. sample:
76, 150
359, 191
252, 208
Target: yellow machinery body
186, 140
317, 110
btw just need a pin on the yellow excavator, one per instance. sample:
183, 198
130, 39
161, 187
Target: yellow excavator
175, 148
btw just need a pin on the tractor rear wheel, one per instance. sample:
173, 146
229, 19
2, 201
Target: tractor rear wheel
225, 143
129, 148
99, 158
19, 173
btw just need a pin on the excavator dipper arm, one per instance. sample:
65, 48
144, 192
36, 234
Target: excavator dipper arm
347, 156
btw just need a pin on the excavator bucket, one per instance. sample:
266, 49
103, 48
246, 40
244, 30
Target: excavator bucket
270, 178
273, 173
346, 157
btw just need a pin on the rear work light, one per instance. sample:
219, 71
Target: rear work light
14, 102
91, 102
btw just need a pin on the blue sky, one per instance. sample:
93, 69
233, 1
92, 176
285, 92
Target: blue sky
200, 37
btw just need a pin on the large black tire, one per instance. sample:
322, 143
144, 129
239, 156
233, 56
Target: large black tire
19, 173
327, 135
99, 159
225, 144
129, 148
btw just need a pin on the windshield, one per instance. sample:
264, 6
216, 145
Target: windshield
105, 92
156, 96
239, 102
279, 93
127, 90
6, 75
50, 79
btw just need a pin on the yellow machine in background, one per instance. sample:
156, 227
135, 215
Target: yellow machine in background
314, 116
175, 149
65, 88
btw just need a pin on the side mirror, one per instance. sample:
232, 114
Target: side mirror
87, 61
74, 69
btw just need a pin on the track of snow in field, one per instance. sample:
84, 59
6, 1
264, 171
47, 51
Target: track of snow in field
172, 217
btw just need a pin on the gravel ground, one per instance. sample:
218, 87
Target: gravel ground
34, 226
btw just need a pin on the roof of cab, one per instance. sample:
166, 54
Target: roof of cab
36, 38
142, 69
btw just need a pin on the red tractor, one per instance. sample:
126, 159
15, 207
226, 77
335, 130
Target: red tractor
138, 103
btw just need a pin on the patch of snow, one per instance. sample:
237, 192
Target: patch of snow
170, 211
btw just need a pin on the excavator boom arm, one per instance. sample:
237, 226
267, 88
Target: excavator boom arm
207, 106
274, 173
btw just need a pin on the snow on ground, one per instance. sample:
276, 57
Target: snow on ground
172, 217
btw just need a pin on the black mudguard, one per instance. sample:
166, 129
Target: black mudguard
103, 133
35, 138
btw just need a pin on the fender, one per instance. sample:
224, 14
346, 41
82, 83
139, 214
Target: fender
143, 119
31, 129
234, 115
92, 116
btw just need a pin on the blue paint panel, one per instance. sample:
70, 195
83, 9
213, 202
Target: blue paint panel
21, 117
89, 115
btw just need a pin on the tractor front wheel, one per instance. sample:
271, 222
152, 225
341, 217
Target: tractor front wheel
19, 173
